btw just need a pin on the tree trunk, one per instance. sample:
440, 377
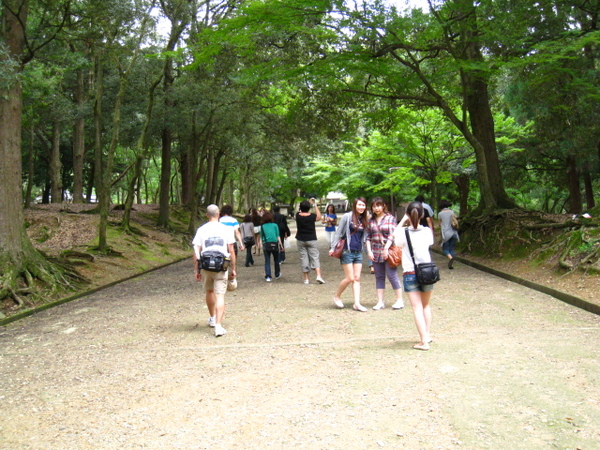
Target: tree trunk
184, 164
463, 184
55, 166
99, 168
165, 168
106, 178
11, 205
482, 123
165, 179
133, 182
142, 150
30, 169
589, 190
476, 98
20, 263
575, 204
78, 140
12, 234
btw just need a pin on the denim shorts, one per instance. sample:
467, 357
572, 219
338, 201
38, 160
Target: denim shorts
351, 257
412, 285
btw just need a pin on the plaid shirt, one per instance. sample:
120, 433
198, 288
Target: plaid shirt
379, 234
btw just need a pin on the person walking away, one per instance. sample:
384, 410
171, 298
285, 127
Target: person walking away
421, 239
330, 221
214, 236
256, 220
449, 232
427, 213
379, 232
352, 228
306, 239
284, 230
271, 240
228, 219
247, 230
426, 220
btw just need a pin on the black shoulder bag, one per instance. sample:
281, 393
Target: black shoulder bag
427, 273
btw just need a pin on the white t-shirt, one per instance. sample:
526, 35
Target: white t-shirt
421, 239
230, 221
213, 236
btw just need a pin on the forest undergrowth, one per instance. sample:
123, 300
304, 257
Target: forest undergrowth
564, 243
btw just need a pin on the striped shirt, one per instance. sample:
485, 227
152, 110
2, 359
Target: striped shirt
378, 234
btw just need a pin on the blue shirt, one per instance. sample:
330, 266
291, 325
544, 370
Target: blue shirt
332, 216
356, 237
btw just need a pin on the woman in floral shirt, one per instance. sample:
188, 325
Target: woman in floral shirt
381, 228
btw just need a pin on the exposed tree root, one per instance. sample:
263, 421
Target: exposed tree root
573, 244
36, 279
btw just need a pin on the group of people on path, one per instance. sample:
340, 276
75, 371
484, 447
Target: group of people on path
374, 232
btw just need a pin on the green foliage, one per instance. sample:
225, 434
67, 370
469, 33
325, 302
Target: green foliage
9, 69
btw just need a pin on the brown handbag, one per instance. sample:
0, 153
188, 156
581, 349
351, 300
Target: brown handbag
339, 248
394, 258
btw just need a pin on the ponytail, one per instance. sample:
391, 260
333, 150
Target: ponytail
414, 211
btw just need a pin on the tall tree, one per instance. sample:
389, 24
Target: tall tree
179, 13
422, 60
20, 263
124, 64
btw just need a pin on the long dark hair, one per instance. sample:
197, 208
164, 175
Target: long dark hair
359, 218
414, 211
256, 219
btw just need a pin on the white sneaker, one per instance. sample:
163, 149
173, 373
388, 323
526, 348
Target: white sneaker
212, 321
306, 281
268, 279
378, 306
398, 305
320, 280
219, 330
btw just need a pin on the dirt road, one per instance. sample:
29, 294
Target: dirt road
136, 366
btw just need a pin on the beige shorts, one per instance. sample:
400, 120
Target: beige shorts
216, 281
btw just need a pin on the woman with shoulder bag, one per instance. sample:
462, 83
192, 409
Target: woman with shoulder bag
352, 228
379, 233
271, 243
421, 238
247, 229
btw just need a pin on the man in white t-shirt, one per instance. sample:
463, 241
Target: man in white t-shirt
215, 236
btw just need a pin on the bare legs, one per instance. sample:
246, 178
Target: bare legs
216, 305
318, 272
383, 270
381, 304
258, 246
422, 312
351, 276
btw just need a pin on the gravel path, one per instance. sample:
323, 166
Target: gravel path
135, 366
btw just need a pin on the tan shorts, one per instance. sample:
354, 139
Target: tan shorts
216, 281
